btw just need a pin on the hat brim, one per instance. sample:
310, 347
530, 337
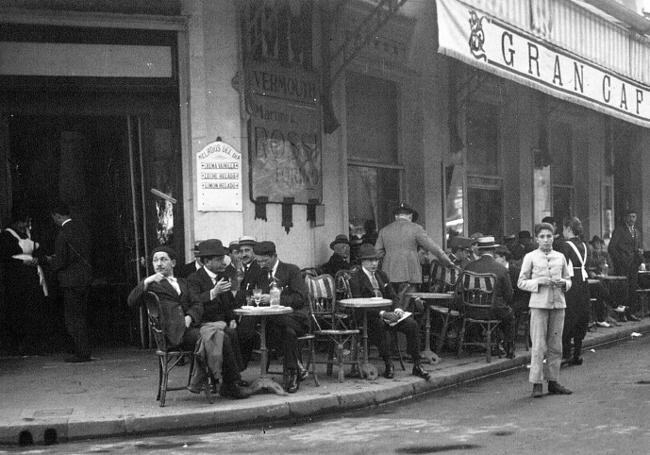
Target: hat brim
488, 247
335, 242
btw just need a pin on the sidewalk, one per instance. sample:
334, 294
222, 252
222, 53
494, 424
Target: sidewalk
115, 395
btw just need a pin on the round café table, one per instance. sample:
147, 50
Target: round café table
365, 304
264, 382
430, 298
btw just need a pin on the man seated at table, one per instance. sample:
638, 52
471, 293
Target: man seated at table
181, 318
502, 291
211, 288
368, 281
598, 265
285, 329
340, 259
461, 249
251, 276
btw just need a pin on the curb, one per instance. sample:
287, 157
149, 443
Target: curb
248, 412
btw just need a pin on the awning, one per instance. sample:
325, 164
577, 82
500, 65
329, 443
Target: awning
493, 45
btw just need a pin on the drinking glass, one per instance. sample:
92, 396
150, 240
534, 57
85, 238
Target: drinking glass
257, 296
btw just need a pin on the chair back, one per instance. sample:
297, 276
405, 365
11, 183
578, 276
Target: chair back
476, 291
342, 280
443, 279
153, 312
322, 302
309, 271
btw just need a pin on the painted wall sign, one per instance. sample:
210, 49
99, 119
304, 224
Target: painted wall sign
283, 102
495, 46
218, 168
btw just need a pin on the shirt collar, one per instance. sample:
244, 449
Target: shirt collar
212, 276
66, 222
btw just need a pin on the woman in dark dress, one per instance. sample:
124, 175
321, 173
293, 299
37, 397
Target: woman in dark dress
24, 286
576, 317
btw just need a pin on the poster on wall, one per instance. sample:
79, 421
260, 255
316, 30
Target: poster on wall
283, 102
218, 179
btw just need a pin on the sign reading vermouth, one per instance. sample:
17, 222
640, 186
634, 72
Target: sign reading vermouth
218, 168
489, 44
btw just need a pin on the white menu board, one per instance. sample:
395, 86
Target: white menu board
218, 168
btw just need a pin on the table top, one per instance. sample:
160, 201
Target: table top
365, 302
431, 295
593, 281
611, 277
263, 310
644, 272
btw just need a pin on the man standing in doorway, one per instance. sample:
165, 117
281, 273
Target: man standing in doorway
626, 250
398, 244
71, 261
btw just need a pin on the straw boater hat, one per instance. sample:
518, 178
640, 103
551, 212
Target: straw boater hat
212, 247
234, 245
487, 242
341, 238
367, 251
405, 208
247, 240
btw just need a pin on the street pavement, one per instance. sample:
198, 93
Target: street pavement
44, 399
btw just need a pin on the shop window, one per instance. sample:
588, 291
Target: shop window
482, 138
373, 164
562, 170
485, 206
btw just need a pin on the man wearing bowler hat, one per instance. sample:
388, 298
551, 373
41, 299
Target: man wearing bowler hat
461, 248
503, 292
181, 317
285, 329
191, 267
398, 244
340, 259
368, 281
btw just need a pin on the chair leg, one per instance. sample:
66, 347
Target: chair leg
461, 338
160, 376
339, 355
312, 361
330, 359
165, 378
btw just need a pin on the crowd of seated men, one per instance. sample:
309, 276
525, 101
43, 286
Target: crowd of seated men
204, 293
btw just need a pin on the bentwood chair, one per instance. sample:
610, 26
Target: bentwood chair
443, 280
169, 357
327, 322
476, 292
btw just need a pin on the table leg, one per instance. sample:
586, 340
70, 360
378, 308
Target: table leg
367, 370
428, 355
264, 382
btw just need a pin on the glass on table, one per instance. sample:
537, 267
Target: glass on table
257, 296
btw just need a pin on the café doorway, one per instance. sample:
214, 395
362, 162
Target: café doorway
119, 172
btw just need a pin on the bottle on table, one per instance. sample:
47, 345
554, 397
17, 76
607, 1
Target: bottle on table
274, 294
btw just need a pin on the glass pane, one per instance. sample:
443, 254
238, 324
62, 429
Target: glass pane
541, 193
608, 213
371, 118
454, 222
485, 211
561, 155
482, 138
372, 195
562, 203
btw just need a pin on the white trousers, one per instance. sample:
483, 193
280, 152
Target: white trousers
546, 334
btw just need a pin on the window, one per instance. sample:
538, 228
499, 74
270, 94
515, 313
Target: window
562, 170
373, 165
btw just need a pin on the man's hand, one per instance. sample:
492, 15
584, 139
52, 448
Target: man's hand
220, 287
233, 324
544, 281
390, 316
188, 321
156, 277
266, 299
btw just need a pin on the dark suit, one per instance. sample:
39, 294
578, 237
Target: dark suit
502, 293
173, 309
378, 330
218, 309
285, 329
186, 270
623, 249
72, 266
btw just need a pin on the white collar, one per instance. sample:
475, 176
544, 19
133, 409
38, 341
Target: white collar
66, 221
213, 276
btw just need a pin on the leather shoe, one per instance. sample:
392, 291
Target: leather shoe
302, 374
555, 388
293, 383
537, 391
576, 361
389, 371
77, 359
420, 372
233, 390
